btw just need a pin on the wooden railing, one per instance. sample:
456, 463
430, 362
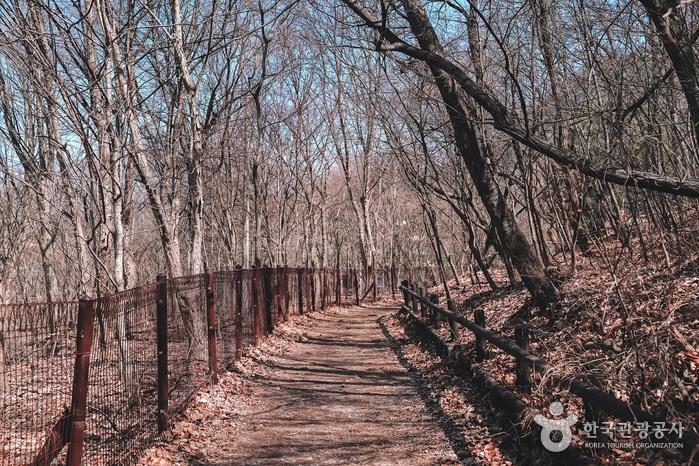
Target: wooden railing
420, 306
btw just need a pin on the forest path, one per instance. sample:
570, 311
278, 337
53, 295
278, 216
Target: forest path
336, 394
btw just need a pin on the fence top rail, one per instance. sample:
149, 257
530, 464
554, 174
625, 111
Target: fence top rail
191, 279
505, 344
596, 397
24, 304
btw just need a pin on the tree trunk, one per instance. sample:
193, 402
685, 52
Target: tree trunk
673, 34
523, 257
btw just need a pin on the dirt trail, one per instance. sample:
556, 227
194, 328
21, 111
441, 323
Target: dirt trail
338, 395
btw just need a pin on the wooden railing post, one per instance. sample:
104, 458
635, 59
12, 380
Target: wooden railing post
436, 318
239, 313
406, 297
413, 288
421, 292
524, 378
86, 316
161, 341
479, 319
211, 326
453, 330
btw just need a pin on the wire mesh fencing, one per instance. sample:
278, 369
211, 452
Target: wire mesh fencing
187, 344
122, 386
37, 351
96, 382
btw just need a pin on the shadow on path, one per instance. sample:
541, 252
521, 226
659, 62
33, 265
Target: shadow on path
337, 396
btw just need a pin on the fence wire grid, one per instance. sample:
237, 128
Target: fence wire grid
208, 316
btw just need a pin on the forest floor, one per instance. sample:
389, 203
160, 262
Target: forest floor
353, 386
326, 389
627, 323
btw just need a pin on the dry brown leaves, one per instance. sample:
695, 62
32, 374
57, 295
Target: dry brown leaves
460, 407
634, 331
207, 428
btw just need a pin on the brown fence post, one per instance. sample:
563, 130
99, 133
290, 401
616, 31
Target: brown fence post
268, 298
393, 280
211, 325
307, 289
321, 280
373, 278
161, 342
343, 281
385, 272
453, 330
255, 305
344, 290
323, 289
279, 273
278, 294
524, 378
86, 315
479, 319
313, 289
284, 293
239, 313
338, 286
287, 289
281, 279
356, 287
301, 284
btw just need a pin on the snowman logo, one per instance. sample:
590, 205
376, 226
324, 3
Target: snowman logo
560, 428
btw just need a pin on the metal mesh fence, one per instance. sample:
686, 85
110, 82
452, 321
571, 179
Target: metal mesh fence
149, 350
225, 296
37, 351
187, 343
121, 402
